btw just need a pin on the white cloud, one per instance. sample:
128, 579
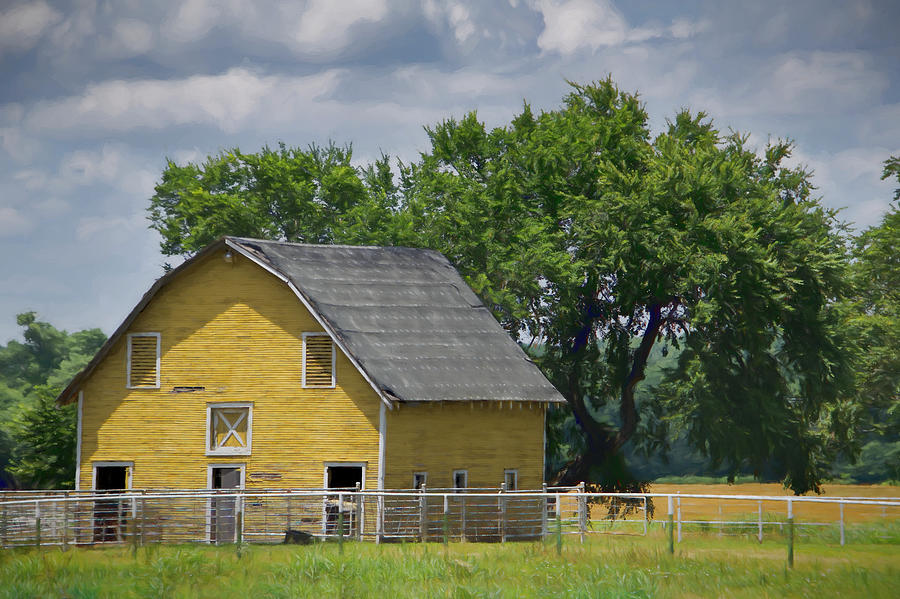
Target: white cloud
22, 26
456, 14
800, 84
133, 36
114, 230
229, 101
325, 26
193, 20
19, 147
78, 27
574, 24
850, 179
571, 25
817, 79
13, 222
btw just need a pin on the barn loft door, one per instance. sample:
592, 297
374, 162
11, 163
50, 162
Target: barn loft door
222, 510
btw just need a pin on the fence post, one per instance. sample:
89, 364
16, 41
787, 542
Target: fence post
143, 517
462, 517
721, 519
358, 513
646, 515
543, 504
37, 522
239, 525
841, 505
671, 525
423, 515
790, 524
132, 527
341, 522
558, 525
759, 533
582, 512
65, 530
679, 519
287, 513
501, 513
379, 520
446, 521
3, 528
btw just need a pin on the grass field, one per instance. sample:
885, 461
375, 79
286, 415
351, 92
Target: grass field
605, 566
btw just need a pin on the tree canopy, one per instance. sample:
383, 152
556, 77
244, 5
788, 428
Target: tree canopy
604, 246
873, 322
37, 438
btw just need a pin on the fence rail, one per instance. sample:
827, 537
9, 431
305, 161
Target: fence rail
64, 518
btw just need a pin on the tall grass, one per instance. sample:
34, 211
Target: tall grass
602, 567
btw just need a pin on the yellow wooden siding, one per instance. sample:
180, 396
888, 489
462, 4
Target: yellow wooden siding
484, 438
235, 330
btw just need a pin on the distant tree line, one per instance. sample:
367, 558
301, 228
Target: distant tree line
37, 438
690, 296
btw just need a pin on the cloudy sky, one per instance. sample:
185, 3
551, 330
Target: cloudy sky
96, 95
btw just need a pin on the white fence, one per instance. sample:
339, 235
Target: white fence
63, 518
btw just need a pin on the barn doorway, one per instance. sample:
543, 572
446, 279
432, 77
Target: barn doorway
344, 477
109, 514
223, 510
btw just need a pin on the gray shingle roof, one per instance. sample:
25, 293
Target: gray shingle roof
410, 321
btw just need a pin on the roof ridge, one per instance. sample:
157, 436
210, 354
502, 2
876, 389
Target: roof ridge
331, 245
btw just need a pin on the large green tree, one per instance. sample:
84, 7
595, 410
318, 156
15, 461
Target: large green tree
604, 246
37, 438
312, 196
873, 321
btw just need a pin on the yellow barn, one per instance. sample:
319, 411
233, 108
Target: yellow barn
259, 364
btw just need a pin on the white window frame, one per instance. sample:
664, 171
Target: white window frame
327, 465
465, 474
209, 430
424, 476
333, 363
515, 474
209, 473
129, 472
129, 337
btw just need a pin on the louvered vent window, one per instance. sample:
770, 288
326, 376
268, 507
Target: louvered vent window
143, 360
318, 360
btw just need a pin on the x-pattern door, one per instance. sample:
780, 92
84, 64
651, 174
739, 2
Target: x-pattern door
227, 425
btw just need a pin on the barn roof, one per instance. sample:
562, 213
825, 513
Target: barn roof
404, 317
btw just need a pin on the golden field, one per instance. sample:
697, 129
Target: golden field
711, 509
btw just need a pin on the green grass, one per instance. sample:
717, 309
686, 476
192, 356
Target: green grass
605, 566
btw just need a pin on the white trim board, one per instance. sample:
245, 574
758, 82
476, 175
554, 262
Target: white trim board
382, 438
80, 418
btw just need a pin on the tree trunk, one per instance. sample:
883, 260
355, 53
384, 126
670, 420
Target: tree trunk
602, 459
